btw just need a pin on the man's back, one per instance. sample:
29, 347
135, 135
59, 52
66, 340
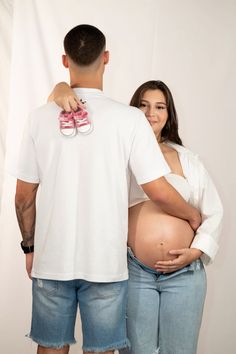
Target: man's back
81, 224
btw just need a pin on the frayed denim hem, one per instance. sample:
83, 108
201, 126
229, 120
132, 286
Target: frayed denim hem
116, 346
51, 345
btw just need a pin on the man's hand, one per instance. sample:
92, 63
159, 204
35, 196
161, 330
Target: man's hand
196, 219
170, 201
29, 262
184, 257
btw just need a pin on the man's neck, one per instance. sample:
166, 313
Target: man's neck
87, 81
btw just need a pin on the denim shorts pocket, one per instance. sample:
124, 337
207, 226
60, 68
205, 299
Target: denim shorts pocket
108, 290
49, 287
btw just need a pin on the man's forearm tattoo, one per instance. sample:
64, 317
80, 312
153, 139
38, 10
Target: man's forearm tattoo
26, 215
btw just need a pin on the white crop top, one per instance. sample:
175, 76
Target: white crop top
180, 183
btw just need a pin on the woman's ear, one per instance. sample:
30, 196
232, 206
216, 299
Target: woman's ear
65, 61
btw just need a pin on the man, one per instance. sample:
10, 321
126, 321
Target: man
78, 244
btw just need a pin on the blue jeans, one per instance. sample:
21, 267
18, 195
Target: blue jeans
102, 311
164, 310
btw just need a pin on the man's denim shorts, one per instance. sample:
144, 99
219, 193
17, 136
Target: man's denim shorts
102, 311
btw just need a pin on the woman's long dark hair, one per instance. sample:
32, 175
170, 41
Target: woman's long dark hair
170, 130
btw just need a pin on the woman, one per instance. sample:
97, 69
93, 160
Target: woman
167, 282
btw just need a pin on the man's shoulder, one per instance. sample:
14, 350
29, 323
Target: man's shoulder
133, 111
43, 114
48, 108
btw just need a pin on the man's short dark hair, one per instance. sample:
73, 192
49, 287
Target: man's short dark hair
84, 43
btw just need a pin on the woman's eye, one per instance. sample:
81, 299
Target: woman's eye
160, 107
143, 105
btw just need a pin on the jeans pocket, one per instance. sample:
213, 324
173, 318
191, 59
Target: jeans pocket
49, 287
195, 265
109, 290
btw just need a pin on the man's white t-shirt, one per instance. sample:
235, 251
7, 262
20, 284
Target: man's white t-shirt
82, 206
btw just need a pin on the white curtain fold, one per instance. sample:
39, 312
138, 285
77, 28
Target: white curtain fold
6, 14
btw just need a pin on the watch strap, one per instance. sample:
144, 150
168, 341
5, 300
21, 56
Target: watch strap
27, 249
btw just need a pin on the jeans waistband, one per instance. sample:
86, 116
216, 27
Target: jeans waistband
195, 265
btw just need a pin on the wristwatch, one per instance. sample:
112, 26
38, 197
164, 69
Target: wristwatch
27, 249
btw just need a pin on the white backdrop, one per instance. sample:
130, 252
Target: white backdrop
190, 45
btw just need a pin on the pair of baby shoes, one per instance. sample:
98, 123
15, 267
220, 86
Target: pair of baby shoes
75, 121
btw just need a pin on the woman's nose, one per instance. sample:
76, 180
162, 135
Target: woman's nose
151, 112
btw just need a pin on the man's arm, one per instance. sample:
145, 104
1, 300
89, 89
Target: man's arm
170, 201
25, 199
25, 202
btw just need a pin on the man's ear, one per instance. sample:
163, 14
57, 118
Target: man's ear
65, 61
106, 57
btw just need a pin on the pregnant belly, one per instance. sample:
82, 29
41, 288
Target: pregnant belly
152, 233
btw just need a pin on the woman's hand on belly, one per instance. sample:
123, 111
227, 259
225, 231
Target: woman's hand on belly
184, 257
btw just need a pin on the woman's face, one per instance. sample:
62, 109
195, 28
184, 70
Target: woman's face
153, 104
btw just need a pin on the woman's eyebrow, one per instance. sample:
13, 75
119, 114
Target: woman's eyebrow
155, 102
162, 103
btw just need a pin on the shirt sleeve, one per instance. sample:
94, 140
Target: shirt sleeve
146, 160
210, 206
27, 167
